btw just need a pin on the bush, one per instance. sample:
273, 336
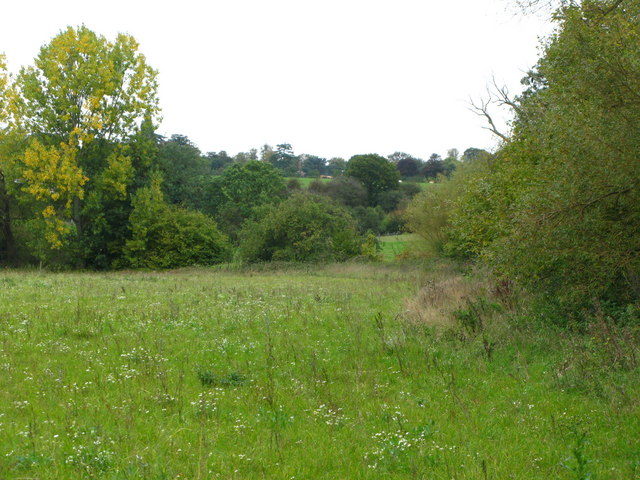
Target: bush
429, 213
369, 219
394, 223
302, 228
165, 236
348, 191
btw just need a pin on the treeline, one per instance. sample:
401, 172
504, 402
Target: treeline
313, 166
85, 181
557, 208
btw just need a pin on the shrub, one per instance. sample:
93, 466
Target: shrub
165, 236
302, 228
369, 219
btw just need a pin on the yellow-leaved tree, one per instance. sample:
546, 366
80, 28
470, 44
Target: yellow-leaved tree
78, 108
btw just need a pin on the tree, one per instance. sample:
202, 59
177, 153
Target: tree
348, 191
284, 160
240, 189
558, 207
7, 242
80, 105
473, 153
243, 157
429, 212
336, 166
313, 166
408, 167
266, 152
4, 81
376, 173
218, 161
453, 154
183, 167
433, 167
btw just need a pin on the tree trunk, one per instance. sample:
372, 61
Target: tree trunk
8, 249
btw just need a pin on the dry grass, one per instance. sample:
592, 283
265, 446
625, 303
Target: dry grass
436, 302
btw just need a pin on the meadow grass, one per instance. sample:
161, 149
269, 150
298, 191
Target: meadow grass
311, 373
395, 245
306, 181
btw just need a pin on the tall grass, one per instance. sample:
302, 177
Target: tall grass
334, 372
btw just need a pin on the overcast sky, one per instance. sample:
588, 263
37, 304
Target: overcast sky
331, 77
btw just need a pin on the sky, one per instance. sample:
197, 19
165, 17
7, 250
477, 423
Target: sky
332, 78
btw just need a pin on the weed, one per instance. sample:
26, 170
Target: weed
578, 462
209, 378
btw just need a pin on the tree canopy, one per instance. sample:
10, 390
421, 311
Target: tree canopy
79, 105
375, 172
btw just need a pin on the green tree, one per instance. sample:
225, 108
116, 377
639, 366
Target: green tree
183, 167
473, 153
348, 191
313, 166
433, 167
375, 172
284, 160
408, 167
429, 214
336, 166
7, 241
240, 189
218, 161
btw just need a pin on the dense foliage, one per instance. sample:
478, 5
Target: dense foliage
558, 207
166, 236
81, 163
376, 173
302, 228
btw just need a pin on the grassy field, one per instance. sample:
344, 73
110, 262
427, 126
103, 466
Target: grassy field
306, 181
343, 372
394, 245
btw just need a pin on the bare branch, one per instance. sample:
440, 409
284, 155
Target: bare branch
504, 98
482, 110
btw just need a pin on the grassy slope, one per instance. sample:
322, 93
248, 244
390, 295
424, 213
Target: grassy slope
200, 374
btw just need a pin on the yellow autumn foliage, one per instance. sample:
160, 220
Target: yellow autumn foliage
52, 174
82, 89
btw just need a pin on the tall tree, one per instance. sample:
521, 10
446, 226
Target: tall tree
81, 104
285, 160
408, 167
218, 161
336, 166
433, 167
183, 166
313, 166
242, 187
